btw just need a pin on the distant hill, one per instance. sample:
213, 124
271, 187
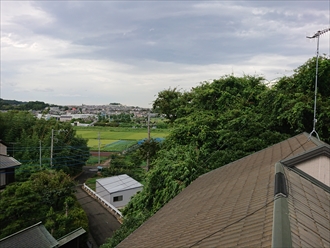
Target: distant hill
18, 105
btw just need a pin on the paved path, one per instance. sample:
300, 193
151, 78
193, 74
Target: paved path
102, 224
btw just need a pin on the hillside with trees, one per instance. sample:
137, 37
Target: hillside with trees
26, 135
47, 196
221, 121
44, 189
19, 105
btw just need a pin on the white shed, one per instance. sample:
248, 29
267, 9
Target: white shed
117, 190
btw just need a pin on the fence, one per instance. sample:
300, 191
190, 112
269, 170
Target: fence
106, 204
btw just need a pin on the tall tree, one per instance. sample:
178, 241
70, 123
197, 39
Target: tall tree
168, 103
289, 105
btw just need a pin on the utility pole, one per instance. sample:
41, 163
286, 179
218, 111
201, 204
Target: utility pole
51, 149
13, 143
316, 35
99, 147
148, 162
40, 153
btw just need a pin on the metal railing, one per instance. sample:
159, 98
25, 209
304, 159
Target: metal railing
106, 204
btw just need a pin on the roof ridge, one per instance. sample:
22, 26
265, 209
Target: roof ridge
23, 230
314, 140
281, 231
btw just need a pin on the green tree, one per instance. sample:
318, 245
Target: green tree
47, 196
168, 103
130, 164
148, 149
222, 121
25, 132
288, 105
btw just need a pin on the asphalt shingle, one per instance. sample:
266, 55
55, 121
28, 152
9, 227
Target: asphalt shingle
233, 206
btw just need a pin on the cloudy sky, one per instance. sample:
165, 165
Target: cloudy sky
98, 52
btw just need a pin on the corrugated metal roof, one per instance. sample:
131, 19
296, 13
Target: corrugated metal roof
71, 236
6, 162
230, 206
32, 237
119, 183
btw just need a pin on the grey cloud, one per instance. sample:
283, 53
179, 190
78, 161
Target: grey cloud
196, 33
182, 33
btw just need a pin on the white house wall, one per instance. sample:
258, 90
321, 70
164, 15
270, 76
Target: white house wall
318, 168
127, 195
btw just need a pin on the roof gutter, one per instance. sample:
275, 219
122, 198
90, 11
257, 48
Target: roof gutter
281, 224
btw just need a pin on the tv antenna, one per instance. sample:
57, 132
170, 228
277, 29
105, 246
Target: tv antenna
316, 35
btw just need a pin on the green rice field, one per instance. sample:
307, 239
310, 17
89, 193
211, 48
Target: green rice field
116, 139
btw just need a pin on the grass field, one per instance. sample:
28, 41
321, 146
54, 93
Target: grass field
116, 139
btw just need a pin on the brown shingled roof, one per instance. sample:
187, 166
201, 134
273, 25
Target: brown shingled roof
309, 208
233, 206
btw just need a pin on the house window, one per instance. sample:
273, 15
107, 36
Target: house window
118, 198
2, 177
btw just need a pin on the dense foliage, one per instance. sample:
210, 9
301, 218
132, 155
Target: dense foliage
129, 164
41, 193
288, 106
47, 196
18, 105
169, 103
25, 134
221, 121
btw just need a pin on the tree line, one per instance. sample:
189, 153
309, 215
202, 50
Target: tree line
221, 121
18, 105
26, 134
44, 189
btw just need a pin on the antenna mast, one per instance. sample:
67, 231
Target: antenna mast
316, 35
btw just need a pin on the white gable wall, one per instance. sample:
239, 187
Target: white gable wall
318, 167
103, 192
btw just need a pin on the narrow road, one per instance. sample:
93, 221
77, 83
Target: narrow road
102, 224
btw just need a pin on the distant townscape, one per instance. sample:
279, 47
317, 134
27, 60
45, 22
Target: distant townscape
80, 115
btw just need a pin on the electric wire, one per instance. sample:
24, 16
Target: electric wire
79, 170
197, 242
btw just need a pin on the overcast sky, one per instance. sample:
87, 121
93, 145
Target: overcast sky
98, 52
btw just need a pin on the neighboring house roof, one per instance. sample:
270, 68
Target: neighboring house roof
71, 236
235, 206
7, 161
32, 237
4, 143
37, 236
119, 183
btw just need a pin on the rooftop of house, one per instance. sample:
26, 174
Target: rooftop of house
33, 236
2, 142
240, 204
119, 183
71, 236
7, 162
37, 236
